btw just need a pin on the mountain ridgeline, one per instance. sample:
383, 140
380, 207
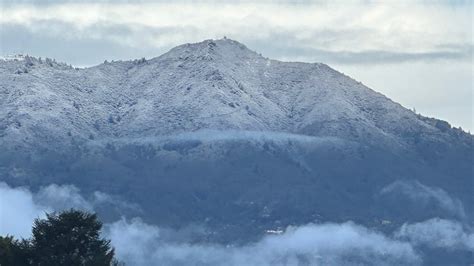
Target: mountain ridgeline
214, 134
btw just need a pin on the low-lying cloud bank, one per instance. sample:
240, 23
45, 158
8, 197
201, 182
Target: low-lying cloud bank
324, 244
19, 206
138, 243
18, 210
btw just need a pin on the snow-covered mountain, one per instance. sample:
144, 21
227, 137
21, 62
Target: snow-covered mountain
218, 85
214, 133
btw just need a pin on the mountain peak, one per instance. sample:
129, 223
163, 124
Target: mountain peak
221, 43
230, 43
224, 48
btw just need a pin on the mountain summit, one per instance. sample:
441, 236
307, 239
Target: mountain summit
214, 84
214, 134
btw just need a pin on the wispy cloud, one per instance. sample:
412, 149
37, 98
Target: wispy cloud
19, 206
437, 233
358, 31
424, 196
325, 244
311, 244
18, 210
61, 198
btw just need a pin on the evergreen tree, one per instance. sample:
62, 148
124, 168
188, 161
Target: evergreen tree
15, 252
70, 238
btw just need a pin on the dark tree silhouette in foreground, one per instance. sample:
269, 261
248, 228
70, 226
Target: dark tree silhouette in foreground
68, 238
15, 252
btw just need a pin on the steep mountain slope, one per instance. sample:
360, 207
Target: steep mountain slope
209, 85
215, 134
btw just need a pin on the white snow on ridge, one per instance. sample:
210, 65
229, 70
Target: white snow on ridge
13, 57
215, 84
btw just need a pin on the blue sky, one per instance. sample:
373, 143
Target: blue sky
418, 53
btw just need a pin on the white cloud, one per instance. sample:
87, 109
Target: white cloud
18, 211
61, 198
437, 233
355, 27
19, 207
324, 244
143, 236
139, 243
425, 195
